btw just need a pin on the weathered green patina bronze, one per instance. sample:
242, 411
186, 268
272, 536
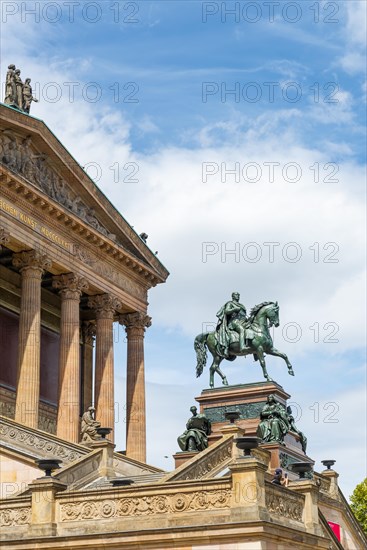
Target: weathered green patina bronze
195, 437
276, 421
236, 335
302, 437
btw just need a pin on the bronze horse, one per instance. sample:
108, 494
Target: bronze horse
258, 342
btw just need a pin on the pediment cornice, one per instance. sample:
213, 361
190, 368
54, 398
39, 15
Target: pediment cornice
37, 165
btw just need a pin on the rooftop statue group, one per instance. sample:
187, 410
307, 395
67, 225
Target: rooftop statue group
18, 94
236, 335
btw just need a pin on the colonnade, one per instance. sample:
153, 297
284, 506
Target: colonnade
32, 265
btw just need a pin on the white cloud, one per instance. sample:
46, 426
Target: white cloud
354, 60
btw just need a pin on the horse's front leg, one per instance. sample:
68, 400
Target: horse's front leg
215, 369
260, 354
278, 353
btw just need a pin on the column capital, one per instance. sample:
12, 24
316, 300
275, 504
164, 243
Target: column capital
105, 305
135, 322
4, 237
70, 285
32, 262
89, 332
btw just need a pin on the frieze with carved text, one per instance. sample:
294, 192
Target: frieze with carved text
19, 157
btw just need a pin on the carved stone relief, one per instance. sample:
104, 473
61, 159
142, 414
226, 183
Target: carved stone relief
15, 516
38, 445
19, 157
284, 505
146, 505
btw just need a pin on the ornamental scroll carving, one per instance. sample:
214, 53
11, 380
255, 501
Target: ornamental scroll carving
284, 505
135, 324
37, 444
70, 286
146, 505
15, 516
105, 305
19, 157
31, 260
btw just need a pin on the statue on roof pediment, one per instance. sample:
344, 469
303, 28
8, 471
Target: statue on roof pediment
19, 157
18, 94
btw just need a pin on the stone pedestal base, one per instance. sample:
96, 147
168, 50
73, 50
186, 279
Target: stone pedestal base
182, 457
283, 455
247, 399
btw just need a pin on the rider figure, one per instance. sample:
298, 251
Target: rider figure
229, 318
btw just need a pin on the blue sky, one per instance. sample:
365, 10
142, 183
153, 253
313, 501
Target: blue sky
175, 122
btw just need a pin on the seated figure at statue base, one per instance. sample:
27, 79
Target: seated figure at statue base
195, 437
89, 426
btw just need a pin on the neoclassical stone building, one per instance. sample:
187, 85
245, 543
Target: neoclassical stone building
71, 267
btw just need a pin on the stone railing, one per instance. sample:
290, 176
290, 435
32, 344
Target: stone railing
147, 501
34, 444
205, 464
15, 513
284, 503
81, 471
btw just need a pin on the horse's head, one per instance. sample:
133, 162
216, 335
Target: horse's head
272, 311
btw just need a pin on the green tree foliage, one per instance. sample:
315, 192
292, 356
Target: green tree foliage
359, 504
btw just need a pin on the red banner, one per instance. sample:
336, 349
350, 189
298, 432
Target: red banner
336, 528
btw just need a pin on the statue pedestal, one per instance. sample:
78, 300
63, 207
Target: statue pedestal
249, 400
183, 456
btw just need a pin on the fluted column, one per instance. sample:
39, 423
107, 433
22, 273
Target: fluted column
70, 288
135, 324
105, 307
88, 334
32, 265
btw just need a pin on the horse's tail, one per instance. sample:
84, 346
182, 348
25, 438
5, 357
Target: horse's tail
201, 353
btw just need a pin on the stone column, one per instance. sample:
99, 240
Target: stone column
32, 265
135, 324
71, 287
105, 307
88, 334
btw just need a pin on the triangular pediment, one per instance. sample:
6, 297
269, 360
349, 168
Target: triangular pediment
32, 153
